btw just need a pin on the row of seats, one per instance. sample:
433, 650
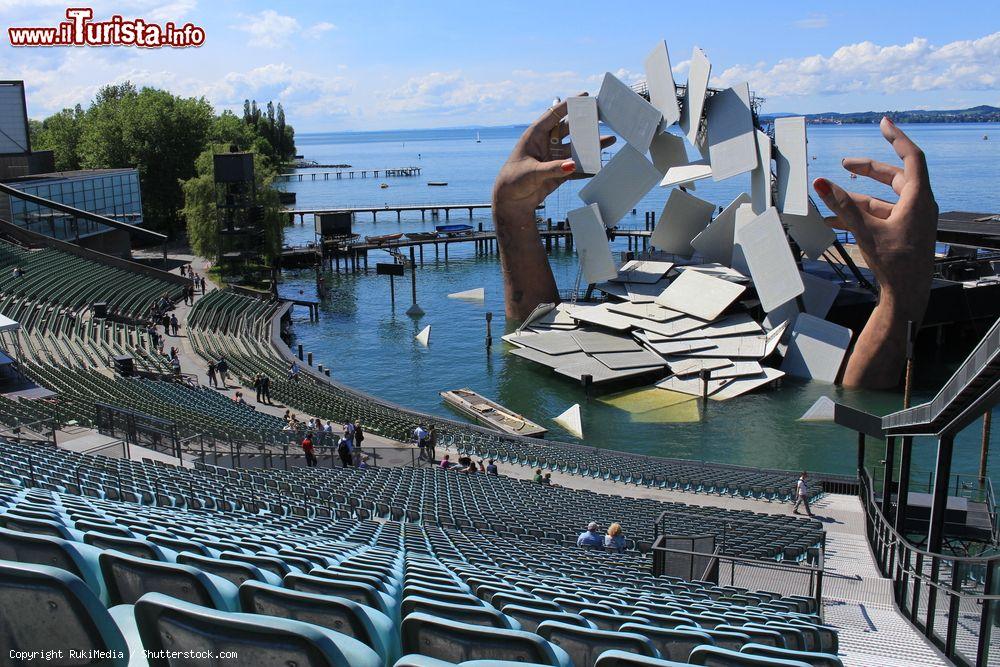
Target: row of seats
117, 576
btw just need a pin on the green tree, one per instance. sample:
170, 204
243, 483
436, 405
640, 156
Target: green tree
61, 133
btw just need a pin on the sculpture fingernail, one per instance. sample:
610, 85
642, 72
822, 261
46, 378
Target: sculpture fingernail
822, 187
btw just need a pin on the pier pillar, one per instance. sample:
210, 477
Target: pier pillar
436, 251
421, 246
309, 358
470, 213
445, 251
373, 217
399, 215
447, 211
423, 215
300, 352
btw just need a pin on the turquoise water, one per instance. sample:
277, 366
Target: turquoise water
369, 344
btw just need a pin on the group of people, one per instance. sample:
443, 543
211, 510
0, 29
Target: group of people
426, 439
348, 443
613, 540
544, 480
196, 281
466, 465
262, 385
218, 371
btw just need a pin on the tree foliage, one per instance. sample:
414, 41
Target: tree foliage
162, 136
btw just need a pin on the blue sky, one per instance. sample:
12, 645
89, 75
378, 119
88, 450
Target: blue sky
340, 65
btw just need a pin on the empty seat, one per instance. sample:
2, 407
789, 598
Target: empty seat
672, 643
616, 658
272, 564
141, 548
531, 617
810, 658
458, 642
233, 571
47, 608
359, 592
167, 624
366, 624
584, 644
713, 656
465, 613
77, 559
128, 578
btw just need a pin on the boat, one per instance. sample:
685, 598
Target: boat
383, 185
491, 414
421, 236
437, 184
454, 230
478, 140
383, 238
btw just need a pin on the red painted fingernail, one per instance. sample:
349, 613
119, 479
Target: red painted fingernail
568, 166
822, 187
889, 120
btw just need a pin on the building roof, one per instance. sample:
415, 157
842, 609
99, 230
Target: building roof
68, 175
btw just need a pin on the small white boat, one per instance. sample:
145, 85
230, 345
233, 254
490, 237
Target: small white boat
491, 414
478, 140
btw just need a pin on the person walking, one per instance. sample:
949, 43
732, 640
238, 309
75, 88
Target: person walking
222, 368
420, 437
201, 280
432, 439
802, 494
309, 450
174, 324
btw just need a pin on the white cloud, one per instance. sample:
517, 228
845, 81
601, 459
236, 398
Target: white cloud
318, 29
813, 22
917, 66
268, 28
305, 93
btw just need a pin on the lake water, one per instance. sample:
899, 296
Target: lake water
369, 344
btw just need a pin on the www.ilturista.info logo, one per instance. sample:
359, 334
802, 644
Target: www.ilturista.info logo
81, 30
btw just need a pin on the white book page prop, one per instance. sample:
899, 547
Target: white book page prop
626, 360
598, 371
732, 147
601, 316
744, 216
591, 242
551, 342
687, 174
810, 232
668, 151
682, 347
646, 311
761, 179
741, 385
584, 134
772, 267
699, 295
540, 311
694, 95
623, 110
656, 331
598, 342
818, 298
660, 81
816, 349
793, 166
620, 184
739, 369
692, 385
643, 271
424, 337
715, 242
684, 216
739, 324
478, 294
551, 360
570, 420
690, 365
732, 347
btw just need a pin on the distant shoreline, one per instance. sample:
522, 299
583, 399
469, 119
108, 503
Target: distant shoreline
979, 114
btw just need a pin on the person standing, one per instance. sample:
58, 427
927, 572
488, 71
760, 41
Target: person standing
359, 435
420, 436
202, 282
222, 368
174, 324
344, 452
265, 387
258, 386
432, 439
309, 450
802, 494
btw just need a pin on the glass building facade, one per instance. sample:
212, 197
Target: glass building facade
113, 193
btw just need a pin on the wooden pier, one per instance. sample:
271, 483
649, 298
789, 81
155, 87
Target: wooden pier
354, 254
433, 209
339, 175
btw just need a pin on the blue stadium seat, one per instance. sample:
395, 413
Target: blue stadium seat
78, 559
168, 624
614, 658
531, 617
584, 644
464, 613
47, 608
459, 642
809, 657
712, 656
128, 578
232, 570
366, 624
137, 546
672, 643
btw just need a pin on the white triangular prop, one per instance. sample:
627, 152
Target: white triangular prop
424, 337
478, 294
570, 420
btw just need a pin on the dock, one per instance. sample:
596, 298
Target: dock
341, 174
433, 209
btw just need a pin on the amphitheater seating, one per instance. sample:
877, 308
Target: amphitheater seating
352, 591
238, 327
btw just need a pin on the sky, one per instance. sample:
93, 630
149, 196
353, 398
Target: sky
339, 66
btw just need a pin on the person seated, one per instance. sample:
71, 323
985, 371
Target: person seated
538, 476
491, 468
897, 240
590, 538
615, 540
445, 461
363, 465
547, 480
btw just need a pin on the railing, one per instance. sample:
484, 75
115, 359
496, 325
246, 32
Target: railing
754, 575
953, 600
282, 456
